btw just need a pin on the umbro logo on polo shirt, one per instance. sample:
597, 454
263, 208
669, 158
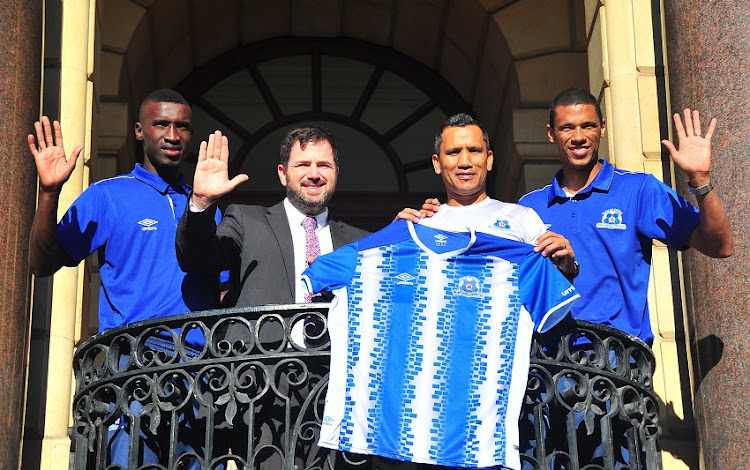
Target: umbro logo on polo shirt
148, 224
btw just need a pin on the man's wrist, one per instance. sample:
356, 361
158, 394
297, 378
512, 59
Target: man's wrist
702, 189
199, 204
574, 273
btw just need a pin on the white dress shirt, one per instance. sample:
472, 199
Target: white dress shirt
323, 231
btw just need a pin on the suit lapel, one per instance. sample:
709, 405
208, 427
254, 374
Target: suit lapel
279, 223
337, 235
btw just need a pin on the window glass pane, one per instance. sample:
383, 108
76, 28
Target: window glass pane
393, 100
426, 181
343, 81
418, 142
260, 164
364, 166
238, 97
290, 81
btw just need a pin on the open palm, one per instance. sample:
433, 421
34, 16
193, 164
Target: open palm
53, 167
211, 180
694, 154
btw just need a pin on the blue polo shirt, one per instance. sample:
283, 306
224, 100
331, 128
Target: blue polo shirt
131, 221
611, 225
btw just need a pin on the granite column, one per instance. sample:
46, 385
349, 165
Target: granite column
20, 78
709, 70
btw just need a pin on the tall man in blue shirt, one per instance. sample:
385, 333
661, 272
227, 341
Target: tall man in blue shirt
612, 216
130, 220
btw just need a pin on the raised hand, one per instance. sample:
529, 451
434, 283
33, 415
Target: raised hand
211, 179
694, 154
51, 165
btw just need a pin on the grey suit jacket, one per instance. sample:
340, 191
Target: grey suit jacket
255, 243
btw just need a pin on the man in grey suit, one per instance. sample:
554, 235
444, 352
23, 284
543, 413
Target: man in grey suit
266, 249
268, 242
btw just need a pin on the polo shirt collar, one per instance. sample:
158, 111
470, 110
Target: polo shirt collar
602, 182
156, 182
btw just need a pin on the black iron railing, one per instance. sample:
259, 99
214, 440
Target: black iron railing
244, 388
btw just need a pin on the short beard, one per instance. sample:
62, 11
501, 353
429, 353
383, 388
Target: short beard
306, 206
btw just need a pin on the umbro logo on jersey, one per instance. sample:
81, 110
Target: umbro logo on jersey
502, 224
148, 224
612, 219
441, 240
469, 286
405, 279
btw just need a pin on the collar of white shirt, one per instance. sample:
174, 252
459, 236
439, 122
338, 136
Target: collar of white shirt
296, 216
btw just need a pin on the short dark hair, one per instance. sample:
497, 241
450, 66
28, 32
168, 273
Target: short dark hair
305, 135
572, 97
460, 120
163, 95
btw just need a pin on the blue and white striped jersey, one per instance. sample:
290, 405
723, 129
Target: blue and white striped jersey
430, 335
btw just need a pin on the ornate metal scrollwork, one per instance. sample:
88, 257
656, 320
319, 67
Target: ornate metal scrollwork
249, 393
590, 402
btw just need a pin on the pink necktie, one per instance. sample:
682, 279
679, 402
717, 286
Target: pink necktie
312, 244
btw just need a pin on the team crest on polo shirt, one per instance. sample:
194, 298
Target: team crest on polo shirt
502, 224
469, 286
612, 219
148, 224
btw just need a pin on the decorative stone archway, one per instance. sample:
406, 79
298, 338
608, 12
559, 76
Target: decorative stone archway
505, 59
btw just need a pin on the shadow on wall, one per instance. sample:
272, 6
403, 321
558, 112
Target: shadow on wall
707, 353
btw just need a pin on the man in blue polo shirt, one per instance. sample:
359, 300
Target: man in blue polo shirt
612, 216
130, 220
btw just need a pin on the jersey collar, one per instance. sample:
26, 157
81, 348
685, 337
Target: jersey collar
602, 182
156, 182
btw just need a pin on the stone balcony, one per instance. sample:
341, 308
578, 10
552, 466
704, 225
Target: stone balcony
252, 396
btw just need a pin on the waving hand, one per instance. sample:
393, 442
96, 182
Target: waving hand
51, 165
211, 179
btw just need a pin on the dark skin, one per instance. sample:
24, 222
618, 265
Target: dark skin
164, 130
45, 254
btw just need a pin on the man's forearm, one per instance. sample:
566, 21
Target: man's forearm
46, 255
713, 237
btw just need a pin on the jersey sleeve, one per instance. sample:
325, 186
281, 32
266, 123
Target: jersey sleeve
533, 225
332, 271
545, 292
664, 215
85, 226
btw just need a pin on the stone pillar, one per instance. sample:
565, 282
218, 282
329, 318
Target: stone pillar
20, 78
708, 54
